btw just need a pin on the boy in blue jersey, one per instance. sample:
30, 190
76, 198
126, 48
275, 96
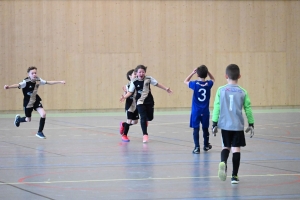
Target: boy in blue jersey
200, 105
227, 115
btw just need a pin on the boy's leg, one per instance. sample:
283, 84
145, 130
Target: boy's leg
196, 140
236, 157
42, 113
146, 114
143, 116
238, 141
19, 119
222, 173
226, 139
205, 125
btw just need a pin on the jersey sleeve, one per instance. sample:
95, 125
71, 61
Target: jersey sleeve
131, 87
210, 83
216, 111
153, 81
248, 109
42, 82
22, 84
192, 85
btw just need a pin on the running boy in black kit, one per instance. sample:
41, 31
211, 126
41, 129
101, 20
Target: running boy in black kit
32, 100
144, 98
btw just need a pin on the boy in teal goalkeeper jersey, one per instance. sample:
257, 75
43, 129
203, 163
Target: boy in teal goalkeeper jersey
227, 115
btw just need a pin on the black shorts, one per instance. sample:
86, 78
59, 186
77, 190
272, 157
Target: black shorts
36, 105
133, 115
146, 111
233, 138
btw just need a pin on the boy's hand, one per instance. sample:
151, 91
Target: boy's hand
6, 87
251, 129
215, 128
63, 82
169, 90
122, 98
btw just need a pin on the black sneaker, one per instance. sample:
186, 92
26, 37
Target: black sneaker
235, 180
40, 135
17, 120
206, 148
196, 150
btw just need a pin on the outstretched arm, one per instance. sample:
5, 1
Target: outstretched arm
164, 88
187, 80
6, 87
55, 82
211, 76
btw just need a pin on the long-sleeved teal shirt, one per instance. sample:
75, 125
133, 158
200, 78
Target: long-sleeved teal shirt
228, 106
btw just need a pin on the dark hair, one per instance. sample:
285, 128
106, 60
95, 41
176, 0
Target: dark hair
233, 72
31, 68
129, 74
202, 71
140, 67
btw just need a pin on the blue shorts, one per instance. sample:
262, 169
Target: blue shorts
196, 119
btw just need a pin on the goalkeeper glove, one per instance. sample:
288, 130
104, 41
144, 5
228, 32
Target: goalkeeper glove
215, 128
250, 129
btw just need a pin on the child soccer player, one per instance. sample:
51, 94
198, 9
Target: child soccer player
32, 100
144, 98
227, 115
130, 108
200, 105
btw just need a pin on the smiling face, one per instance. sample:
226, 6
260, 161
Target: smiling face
141, 74
32, 74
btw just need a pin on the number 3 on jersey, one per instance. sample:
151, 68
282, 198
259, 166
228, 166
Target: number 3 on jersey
202, 96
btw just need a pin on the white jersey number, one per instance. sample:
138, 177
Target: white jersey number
230, 102
203, 92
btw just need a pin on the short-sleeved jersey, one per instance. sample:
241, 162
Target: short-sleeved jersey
29, 89
228, 106
130, 104
201, 96
142, 87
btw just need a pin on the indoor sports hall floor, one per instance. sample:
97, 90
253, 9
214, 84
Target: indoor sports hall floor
83, 158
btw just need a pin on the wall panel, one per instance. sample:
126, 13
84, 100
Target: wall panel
92, 44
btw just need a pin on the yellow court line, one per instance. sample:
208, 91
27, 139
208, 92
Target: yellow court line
142, 179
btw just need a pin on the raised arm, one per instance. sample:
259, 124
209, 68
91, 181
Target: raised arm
164, 88
187, 80
55, 82
6, 87
211, 76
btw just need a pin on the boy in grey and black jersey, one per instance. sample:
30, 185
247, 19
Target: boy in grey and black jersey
130, 108
230, 100
32, 101
144, 98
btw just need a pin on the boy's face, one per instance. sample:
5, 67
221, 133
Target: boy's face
132, 76
32, 74
141, 74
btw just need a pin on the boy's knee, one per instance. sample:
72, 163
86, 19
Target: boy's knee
28, 119
43, 115
134, 122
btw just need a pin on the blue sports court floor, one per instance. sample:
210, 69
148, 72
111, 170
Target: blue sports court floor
83, 158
